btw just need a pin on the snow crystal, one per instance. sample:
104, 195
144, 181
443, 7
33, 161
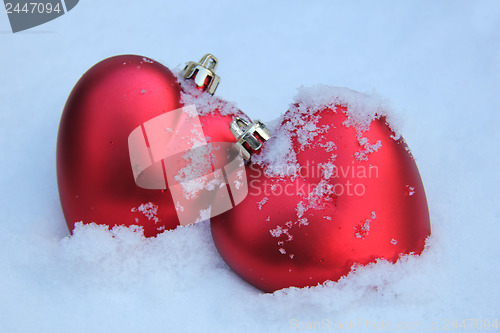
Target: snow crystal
262, 202
411, 190
362, 230
149, 210
316, 198
277, 232
239, 180
303, 221
363, 155
327, 169
204, 215
329, 146
178, 206
237, 184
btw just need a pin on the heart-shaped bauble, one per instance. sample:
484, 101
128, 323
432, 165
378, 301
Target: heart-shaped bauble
334, 187
94, 172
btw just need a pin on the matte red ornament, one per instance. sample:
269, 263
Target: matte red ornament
94, 173
349, 192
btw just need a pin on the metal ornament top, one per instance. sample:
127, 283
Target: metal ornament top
203, 73
248, 135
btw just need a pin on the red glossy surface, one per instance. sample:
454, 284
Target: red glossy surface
94, 174
335, 234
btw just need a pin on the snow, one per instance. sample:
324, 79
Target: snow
436, 65
149, 210
362, 108
300, 123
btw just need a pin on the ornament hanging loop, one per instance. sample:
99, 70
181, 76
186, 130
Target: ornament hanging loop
249, 136
203, 73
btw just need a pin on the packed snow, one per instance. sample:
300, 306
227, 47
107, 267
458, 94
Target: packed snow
436, 65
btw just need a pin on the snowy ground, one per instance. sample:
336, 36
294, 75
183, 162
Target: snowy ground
438, 65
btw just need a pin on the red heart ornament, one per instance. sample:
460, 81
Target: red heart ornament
334, 187
94, 173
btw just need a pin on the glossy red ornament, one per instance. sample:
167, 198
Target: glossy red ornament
94, 173
355, 195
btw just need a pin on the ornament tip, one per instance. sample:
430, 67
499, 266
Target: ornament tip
249, 136
203, 73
